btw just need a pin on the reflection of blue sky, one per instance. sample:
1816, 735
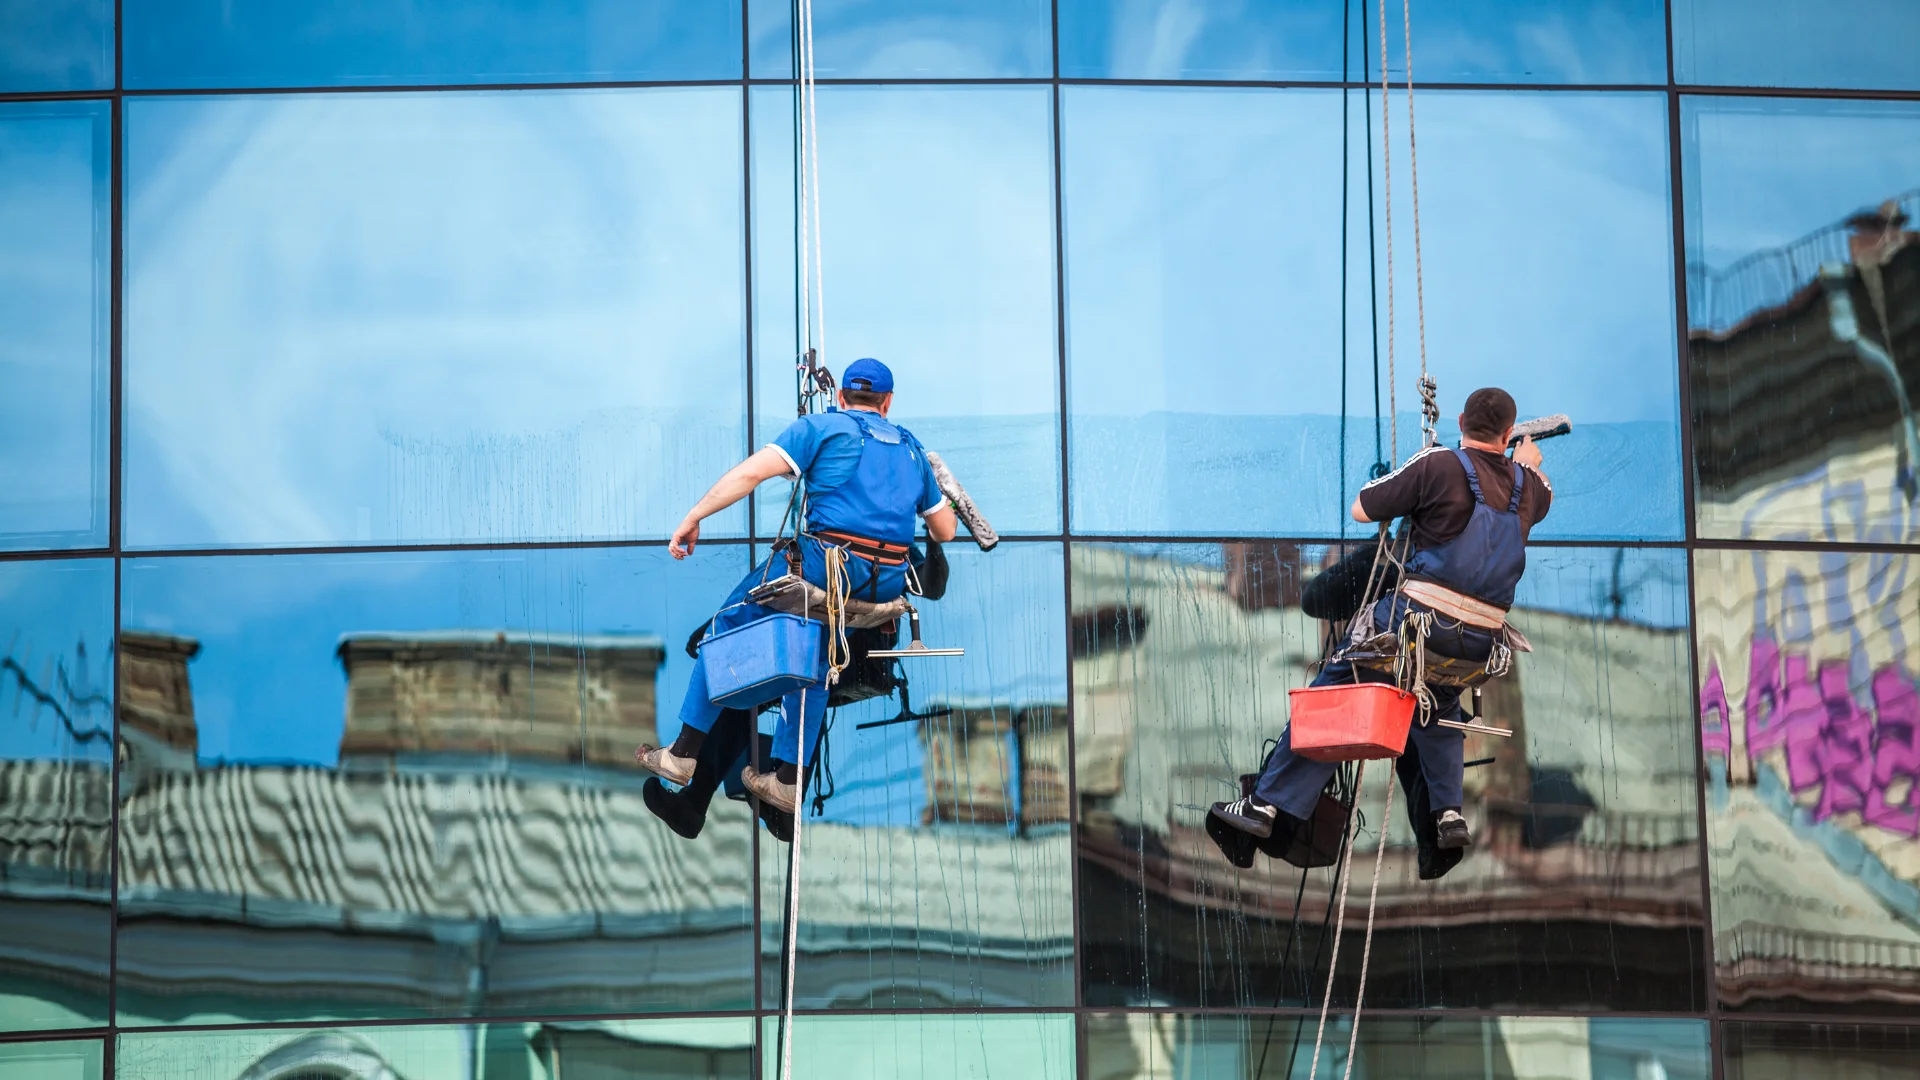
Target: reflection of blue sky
924, 39
56, 45
1762, 172
56, 618
214, 43
937, 216
267, 686
1568, 41
1006, 608
1864, 44
53, 323
1203, 296
415, 317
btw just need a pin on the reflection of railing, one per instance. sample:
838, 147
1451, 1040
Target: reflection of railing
1717, 300
1816, 954
1637, 830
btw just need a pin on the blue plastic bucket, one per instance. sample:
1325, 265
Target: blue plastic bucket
762, 660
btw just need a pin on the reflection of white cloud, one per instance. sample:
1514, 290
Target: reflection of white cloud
311, 278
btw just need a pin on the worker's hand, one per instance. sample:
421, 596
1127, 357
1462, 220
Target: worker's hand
1527, 453
687, 535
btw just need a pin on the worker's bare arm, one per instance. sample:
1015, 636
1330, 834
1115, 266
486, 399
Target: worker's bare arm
731, 488
1360, 512
942, 524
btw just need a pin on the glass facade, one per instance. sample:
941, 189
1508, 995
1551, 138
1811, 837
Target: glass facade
358, 359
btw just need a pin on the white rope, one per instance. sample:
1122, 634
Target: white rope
1386, 201
793, 901
1340, 914
1413, 176
1366, 950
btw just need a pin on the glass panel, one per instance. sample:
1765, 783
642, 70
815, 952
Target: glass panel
1813, 808
1582, 887
1755, 1051
56, 45
1225, 39
1803, 296
937, 218
1857, 44
938, 873
238, 43
716, 1049
1203, 344
1590, 335
931, 1047
56, 768
1516, 41
925, 39
1217, 1046
77, 1059
54, 276
401, 785
431, 317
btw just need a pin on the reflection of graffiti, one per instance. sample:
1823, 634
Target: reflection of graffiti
1857, 757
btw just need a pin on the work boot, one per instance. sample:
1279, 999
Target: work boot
1452, 829
1248, 814
768, 789
676, 810
665, 764
1237, 846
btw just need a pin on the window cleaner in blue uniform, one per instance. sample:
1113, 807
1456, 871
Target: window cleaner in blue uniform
1470, 511
868, 483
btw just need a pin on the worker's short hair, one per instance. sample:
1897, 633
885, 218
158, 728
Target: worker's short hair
1488, 414
872, 399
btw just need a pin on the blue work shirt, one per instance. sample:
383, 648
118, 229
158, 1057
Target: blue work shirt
826, 447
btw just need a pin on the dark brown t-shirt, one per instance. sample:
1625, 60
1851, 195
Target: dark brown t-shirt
1431, 489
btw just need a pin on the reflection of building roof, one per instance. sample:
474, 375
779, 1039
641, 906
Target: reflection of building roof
513, 638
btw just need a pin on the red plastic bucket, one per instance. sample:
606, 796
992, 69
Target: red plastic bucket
1350, 721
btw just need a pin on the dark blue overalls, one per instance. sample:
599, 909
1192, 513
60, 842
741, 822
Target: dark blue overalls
875, 506
1485, 562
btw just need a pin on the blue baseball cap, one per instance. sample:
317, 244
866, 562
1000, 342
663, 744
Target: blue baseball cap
867, 374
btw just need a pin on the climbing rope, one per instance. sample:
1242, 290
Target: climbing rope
1342, 872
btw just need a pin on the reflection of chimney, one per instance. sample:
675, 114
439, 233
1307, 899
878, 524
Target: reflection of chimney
156, 698
1263, 575
531, 696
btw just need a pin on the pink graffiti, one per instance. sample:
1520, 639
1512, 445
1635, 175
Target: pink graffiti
1855, 756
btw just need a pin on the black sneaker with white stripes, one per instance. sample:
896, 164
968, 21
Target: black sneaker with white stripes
1249, 815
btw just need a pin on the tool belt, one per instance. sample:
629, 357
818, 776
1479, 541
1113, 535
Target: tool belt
878, 552
1455, 605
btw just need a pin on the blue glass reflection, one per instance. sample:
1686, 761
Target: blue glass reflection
1177, 39
431, 317
79, 1059
929, 1047
1515, 41
926, 39
1801, 294
54, 279
56, 45
246, 43
1547, 242
1852, 44
401, 785
56, 756
937, 232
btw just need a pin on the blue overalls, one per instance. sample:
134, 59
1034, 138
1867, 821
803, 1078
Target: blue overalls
875, 506
1485, 562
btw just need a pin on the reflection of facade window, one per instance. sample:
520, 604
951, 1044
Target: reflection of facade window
323, 1056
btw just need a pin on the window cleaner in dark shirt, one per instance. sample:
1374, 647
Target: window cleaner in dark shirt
867, 482
1470, 511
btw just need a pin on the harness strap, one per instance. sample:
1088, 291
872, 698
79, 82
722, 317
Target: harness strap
874, 551
1455, 605
1473, 480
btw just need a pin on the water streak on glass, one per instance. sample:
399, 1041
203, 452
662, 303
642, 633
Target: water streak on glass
52, 45
936, 216
924, 39
1803, 296
937, 874
703, 1049
1855, 44
402, 786
431, 317
1215, 1046
204, 44
1808, 713
1762, 1051
1582, 889
56, 759
54, 282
